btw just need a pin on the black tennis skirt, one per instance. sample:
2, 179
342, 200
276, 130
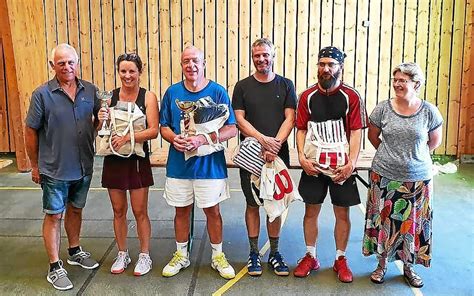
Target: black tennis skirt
126, 173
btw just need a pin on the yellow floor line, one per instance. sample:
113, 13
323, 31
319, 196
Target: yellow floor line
416, 291
243, 271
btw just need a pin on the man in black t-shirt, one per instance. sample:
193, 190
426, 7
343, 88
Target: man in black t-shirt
264, 105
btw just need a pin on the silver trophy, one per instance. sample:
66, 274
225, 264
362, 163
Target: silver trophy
187, 121
104, 97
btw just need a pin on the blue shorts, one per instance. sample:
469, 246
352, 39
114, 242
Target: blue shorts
57, 193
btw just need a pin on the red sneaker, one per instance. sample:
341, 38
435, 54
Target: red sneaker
305, 265
344, 273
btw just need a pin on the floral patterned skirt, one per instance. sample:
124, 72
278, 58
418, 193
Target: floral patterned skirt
398, 220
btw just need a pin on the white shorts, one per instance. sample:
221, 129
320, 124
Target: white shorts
206, 192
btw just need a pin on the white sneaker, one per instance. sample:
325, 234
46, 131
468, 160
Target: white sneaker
143, 265
178, 262
219, 263
121, 262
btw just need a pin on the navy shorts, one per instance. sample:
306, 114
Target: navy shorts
58, 193
313, 190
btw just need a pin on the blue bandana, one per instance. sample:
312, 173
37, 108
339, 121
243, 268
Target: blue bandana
332, 52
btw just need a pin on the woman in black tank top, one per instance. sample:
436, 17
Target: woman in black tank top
133, 173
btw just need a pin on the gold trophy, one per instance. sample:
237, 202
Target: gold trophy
187, 117
104, 97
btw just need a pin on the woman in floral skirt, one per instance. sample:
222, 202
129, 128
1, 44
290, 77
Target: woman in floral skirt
404, 130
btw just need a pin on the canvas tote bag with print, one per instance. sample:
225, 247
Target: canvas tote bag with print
208, 118
125, 118
326, 144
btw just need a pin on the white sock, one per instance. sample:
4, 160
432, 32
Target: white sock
311, 250
182, 248
216, 249
340, 253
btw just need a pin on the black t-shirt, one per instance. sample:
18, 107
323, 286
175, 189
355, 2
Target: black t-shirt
264, 103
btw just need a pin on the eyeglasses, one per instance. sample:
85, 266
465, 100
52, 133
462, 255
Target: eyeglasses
400, 81
331, 65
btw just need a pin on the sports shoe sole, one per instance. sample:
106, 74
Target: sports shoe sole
83, 266
136, 273
175, 273
281, 273
255, 273
120, 270
59, 288
226, 276
305, 275
346, 282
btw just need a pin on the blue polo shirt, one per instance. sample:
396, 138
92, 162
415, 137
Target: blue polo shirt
65, 129
211, 166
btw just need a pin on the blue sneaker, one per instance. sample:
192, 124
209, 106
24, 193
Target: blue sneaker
278, 264
254, 266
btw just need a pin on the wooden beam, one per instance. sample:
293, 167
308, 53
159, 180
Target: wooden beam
22, 39
466, 128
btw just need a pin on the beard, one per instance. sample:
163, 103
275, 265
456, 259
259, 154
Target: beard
327, 83
267, 69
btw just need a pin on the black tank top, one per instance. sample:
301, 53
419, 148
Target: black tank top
140, 102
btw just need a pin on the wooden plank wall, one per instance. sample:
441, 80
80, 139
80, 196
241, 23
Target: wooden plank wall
22, 27
376, 35
466, 122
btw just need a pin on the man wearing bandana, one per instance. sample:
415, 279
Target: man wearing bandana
338, 115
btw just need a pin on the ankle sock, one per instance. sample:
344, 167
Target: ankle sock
73, 250
53, 266
182, 248
216, 249
340, 253
311, 250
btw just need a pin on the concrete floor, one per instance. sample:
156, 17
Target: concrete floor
23, 261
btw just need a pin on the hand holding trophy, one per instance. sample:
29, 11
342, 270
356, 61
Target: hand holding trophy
104, 96
187, 121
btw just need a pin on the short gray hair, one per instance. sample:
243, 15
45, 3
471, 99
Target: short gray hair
413, 71
63, 46
264, 41
200, 51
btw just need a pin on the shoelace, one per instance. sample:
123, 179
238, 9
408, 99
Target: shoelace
177, 257
255, 260
121, 258
305, 260
83, 254
143, 260
279, 259
61, 272
221, 261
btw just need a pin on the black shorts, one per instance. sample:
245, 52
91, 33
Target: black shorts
245, 178
313, 190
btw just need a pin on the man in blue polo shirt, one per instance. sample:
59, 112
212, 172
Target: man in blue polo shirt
200, 179
59, 138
